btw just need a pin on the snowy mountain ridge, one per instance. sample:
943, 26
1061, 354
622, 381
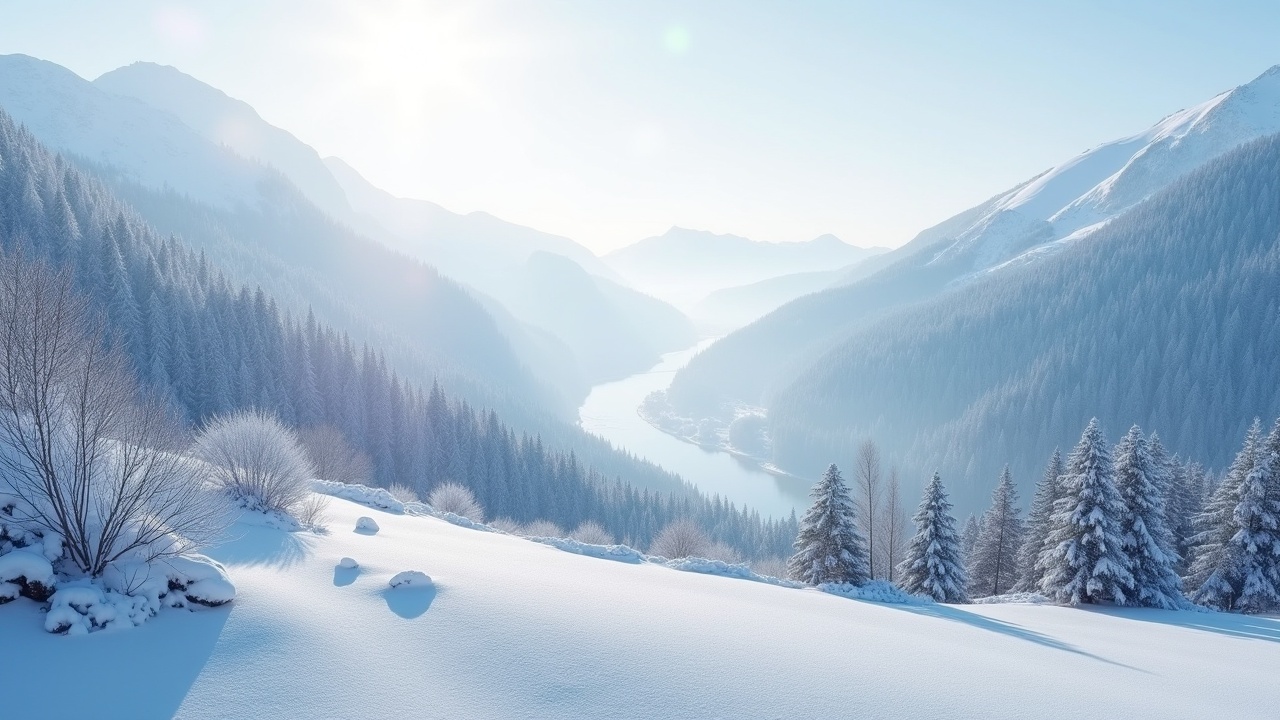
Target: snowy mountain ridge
1074, 197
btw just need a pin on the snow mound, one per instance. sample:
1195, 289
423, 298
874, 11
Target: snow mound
348, 563
621, 553
29, 566
377, 498
1016, 598
411, 579
366, 525
724, 569
200, 579
875, 591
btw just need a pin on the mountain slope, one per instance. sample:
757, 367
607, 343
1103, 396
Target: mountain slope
1024, 225
1165, 317
230, 123
517, 629
682, 266
731, 308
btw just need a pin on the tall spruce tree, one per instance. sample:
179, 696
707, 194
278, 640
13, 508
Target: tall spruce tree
1215, 578
1181, 503
1257, 543
993, 567
829, 547
933, 564
1036, 529
1084, 560
1148, 544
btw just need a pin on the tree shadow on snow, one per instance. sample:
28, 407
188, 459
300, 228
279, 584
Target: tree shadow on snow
256, 545
151, 668
343, 577
982, 622
1248, 627
409, 602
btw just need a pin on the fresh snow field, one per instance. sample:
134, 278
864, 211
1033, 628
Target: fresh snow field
508, 628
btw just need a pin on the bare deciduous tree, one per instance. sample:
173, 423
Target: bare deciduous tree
593, 533
680, 539
333, 458
891, 527
457, 499
868, 475
101, 466
257, 460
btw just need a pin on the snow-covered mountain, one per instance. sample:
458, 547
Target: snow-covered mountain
1072, 199
682, 266
731, 308
1028, 223
517, 629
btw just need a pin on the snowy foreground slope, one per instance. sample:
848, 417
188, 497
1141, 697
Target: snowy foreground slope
516, 629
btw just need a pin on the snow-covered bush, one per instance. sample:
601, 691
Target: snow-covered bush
722, 552
456, 499
682, 538
92, 466
256, 460
403, 493
542, 528
770, 567
25, 573
592, 533
506, 525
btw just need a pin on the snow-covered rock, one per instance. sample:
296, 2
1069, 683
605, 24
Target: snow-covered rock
411, 579
377, 498
31, 572
367, 526
348, 563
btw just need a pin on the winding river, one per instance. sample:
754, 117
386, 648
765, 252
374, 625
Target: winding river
610, 412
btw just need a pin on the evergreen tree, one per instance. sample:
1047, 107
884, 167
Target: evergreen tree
1181, 505
1036, 528
1215, 577
1084, 560
829, 547
1148, 544
1257, 544
993, 565
933, 564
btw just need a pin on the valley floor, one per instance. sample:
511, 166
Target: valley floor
515, 629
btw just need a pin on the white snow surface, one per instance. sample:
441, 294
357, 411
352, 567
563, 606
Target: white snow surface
517, 629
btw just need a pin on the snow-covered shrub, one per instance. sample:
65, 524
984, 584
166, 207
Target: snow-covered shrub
310, 513
875, 591
456, 499
411, 579
366, 525
506, 525
30, 573
592, 533
403, 493
91, 460
542, 528
770, 567
682, 538
722, 552
257, 460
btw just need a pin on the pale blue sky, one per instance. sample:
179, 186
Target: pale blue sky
610, 121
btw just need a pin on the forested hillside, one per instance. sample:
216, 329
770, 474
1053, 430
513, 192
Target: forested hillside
1168, 317
210, 345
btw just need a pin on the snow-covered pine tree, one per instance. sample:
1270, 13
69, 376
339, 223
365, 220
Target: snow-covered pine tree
933, 564
1148, 544
993, 565
829, 547
1257, 544
1214, 578
1084, 560
969, 536
1036, 529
